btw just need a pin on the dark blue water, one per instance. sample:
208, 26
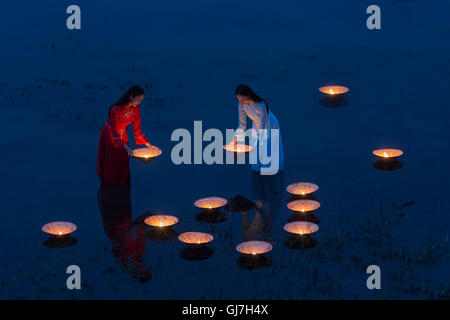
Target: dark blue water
56, 87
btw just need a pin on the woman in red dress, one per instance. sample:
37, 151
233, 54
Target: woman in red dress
113, 167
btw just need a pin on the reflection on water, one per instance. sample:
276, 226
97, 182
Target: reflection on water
257, 220
294, 197
387, 165
60, 241
196, 252
304, 216
161, 234
239, 204
333, 101
301, 242
127, 238
211, 216
252, 262
267, 191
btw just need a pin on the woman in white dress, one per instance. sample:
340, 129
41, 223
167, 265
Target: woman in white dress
256, 108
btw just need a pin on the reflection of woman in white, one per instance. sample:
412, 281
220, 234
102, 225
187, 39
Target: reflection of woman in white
254, 107
267, 191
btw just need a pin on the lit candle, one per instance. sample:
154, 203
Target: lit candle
210, 203
161, 220
59, 228
334, 90
237, 147
388, 153
301, 227
254, 247
195, 237
302, 188
147, 153
303, 205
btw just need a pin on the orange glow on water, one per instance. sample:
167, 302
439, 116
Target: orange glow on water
147, 153
59, 228
301, 227
334, 90
303, 205
195, 237
388, 153
161, 220
302, 188
238, 147
254, 247
210, 203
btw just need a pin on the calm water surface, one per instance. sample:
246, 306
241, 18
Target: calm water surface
397, 219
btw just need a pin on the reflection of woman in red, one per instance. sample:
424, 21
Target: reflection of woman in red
127, 237
113, 167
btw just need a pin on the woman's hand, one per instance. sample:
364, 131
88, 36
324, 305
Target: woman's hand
129, 151
148, 145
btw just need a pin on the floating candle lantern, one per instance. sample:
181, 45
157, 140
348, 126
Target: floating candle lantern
301, 227
210, 203
302, 188
147, 153
254, 247
195, 237
59, 228
303, 205
334, 90
388, 153
237, 147
161, 221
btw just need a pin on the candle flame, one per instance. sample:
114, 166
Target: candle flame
198, 241
161, 224
253, 253
385, 154
331, 91
60, 233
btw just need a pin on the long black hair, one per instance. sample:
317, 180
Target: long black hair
125, 99
244, 90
